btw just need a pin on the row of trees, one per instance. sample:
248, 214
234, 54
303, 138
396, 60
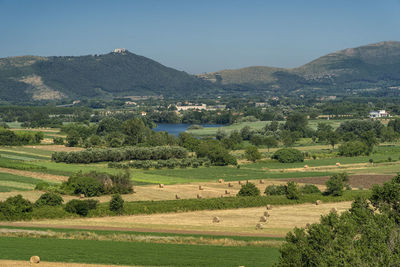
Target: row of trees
11, 138
121, 154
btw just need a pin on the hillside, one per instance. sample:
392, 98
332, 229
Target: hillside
119, 73
363, 68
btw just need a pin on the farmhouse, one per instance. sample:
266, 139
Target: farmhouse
378, 114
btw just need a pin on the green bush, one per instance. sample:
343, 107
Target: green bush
309, 189
249, 190
42, 186
252, 154
288, 155
80, 184
58, 140
81, 207
117, 204
15, 208
273, 190
49, 199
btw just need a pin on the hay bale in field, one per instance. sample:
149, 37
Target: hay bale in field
269, 207
216, 219
334, 210
161, 185
318, 202
338, 164
263, 219
34, 259
230, 185
201, 187
199, 196
306, 166
133, 189
177, 196
266, 214
259, 226
82, 196
220, 181
227, 192
261, 181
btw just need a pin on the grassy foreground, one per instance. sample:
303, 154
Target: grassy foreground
132, 253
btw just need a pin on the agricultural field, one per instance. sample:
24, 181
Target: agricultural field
179, 216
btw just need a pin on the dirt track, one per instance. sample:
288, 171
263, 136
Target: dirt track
38, 175
356, 181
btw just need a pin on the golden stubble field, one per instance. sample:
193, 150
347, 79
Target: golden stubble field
168, 192
11, 263
233, 221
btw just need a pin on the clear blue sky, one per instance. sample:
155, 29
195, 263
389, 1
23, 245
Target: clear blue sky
197, 36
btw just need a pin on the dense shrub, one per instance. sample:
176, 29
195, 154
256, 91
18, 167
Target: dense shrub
58, 140
216, 153
288, 155
10, 138
159, 164
97, 183
353, 149
120, 154
273, 190
309, 189
49, 199
15, 208
248, 190
42, 186
117, 204
80, 207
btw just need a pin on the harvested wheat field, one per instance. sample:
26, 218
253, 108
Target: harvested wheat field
11, 263
57, 148
281, 219
39, 175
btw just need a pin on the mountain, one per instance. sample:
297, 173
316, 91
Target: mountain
120, 73
367, 68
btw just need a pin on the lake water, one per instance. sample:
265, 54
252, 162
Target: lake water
176, 129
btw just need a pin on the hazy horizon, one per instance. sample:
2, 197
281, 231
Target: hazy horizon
196, 37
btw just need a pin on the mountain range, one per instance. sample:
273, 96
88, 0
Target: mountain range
368, 68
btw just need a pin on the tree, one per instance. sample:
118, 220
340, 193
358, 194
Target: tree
246, 133
335, 184
296, 122
288, 138
292, 191
252, 154
249, 190
221, 134
353, 148
73, 139
369, 138
117, 204
216, 153
270, 142
388, 134
333, 138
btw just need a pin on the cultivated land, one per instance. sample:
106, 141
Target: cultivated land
233, 241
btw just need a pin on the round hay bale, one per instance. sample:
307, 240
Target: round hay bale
259, 226
82, 196
177, 196
199, 196
306, 166
230, 185
161, 185
269, 207
263, 219
261, 181
201, 187
266, 214
334, 210
318, 202
338, 164
220, 181
216, 219
227, 192
34, 259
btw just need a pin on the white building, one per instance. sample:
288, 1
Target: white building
183, 108
379, 114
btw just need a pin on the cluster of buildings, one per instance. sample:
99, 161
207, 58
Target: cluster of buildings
379, 114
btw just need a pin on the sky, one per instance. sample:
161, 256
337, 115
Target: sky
197, 36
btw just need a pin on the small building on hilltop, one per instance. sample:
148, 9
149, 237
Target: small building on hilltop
378, 114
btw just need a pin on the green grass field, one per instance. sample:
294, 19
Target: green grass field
11, 182
134, 253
